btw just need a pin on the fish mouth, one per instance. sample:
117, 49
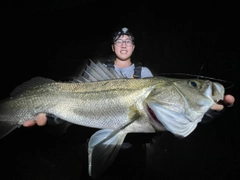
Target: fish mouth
152, 114
220, 102
154, 120
217, 93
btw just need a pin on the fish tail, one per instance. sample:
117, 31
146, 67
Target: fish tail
6, 128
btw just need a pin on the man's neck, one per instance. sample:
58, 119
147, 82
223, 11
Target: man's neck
122, 64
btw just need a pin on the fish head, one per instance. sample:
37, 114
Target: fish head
177, 105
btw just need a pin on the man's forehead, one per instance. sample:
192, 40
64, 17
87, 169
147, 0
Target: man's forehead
124, 37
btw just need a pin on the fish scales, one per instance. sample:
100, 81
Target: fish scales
83, 99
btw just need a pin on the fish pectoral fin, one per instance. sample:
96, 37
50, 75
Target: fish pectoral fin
103, 148
104, 145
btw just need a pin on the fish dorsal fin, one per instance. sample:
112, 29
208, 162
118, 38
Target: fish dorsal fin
102, 72
110, 72
31, 83
97, 72
91, 75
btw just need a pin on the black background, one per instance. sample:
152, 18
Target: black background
55, 38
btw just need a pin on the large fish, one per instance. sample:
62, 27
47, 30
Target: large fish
101, 98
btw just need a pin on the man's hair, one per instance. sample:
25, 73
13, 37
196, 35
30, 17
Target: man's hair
122, 32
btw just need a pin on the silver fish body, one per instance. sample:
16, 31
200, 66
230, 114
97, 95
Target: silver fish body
116, 106
103, 104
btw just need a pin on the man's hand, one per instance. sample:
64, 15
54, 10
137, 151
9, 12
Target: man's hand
228, 101
40, 121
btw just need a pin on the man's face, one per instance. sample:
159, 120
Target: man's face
123, 47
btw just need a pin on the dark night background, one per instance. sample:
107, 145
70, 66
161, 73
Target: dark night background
55, 38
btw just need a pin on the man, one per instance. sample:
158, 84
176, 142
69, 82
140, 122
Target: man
134, 149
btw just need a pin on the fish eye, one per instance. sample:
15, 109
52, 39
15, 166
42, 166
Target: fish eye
193, 83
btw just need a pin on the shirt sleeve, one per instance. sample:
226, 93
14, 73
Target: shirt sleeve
210, 115
146, 72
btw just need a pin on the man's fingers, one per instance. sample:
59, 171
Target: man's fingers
41, 119
229, 100
29, 123
217, 107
